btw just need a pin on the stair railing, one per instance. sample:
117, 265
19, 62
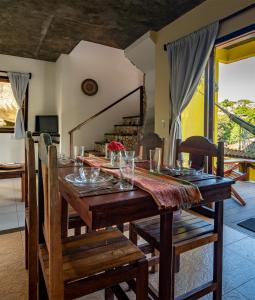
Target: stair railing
141, 93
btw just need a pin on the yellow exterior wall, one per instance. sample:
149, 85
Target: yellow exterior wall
193, 116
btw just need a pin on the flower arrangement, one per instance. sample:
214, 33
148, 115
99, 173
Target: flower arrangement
115, 146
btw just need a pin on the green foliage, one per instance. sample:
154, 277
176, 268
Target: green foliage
230, 132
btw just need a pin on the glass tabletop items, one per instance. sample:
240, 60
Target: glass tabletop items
77, 180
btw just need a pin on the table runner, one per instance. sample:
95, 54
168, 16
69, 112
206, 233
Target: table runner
167, 191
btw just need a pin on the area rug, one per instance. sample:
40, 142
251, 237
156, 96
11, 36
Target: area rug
248, 224
13, 276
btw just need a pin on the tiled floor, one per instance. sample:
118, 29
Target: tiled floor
11, 207
235, 213
196, 265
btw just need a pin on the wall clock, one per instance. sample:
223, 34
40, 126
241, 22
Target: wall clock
89, 87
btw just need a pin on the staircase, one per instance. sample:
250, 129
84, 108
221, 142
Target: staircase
127, 133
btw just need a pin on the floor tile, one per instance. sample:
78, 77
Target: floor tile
20, 206
21, 218
9, 208
237, 270
8, 221
231, 235
245, 248
248, 289
234, 295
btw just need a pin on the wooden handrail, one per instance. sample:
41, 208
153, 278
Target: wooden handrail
140, 88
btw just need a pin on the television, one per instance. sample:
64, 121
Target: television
48, 124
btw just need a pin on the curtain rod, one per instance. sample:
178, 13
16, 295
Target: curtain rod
227, 18
2, 71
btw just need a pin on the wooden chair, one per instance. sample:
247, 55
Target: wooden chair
31, 219
189, 231
74, 221
233, 171
80, 265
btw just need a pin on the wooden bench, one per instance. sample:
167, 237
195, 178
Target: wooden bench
15, 173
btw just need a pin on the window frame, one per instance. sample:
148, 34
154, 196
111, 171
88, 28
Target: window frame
24, 108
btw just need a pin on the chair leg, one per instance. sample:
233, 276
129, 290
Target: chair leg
132, 234
176, 263
218, 249
26, 246
238, 197
142, 281
77, 230
154, 268
108, 294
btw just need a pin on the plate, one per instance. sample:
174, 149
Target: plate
76, 180
183, 171
110, 166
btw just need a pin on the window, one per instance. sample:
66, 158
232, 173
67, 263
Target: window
8, 107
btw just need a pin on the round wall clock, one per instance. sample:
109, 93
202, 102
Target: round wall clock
89, 87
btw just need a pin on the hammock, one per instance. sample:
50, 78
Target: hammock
248, 126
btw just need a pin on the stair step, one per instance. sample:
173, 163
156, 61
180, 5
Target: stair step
100, 142
99, 147
129, 141
94, 153
131, 117
132, 120
119, 134
126, 129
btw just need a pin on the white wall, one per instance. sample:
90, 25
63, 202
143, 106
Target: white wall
41, 100
142, 54
115, 76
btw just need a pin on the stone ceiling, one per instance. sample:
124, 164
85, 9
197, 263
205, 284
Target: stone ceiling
43, 29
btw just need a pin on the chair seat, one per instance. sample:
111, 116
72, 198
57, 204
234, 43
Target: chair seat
186, 227
92, 253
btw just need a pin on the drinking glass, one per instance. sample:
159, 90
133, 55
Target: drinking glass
183, 163
76, 153
127, 172
82, 150
89, 174
155, 160
130, 154
106, 151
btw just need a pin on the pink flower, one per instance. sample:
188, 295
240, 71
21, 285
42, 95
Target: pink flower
115, 146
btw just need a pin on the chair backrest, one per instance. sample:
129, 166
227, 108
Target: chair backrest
149, 142
52, 215
31, 199
200, 150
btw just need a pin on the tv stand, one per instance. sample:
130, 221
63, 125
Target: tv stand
55, 137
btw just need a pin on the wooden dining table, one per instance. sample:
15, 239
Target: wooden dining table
104, 210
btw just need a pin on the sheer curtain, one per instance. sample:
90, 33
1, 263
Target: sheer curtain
19, 82
187, 60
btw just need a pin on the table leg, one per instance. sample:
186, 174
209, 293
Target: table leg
218, 250
166, 278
